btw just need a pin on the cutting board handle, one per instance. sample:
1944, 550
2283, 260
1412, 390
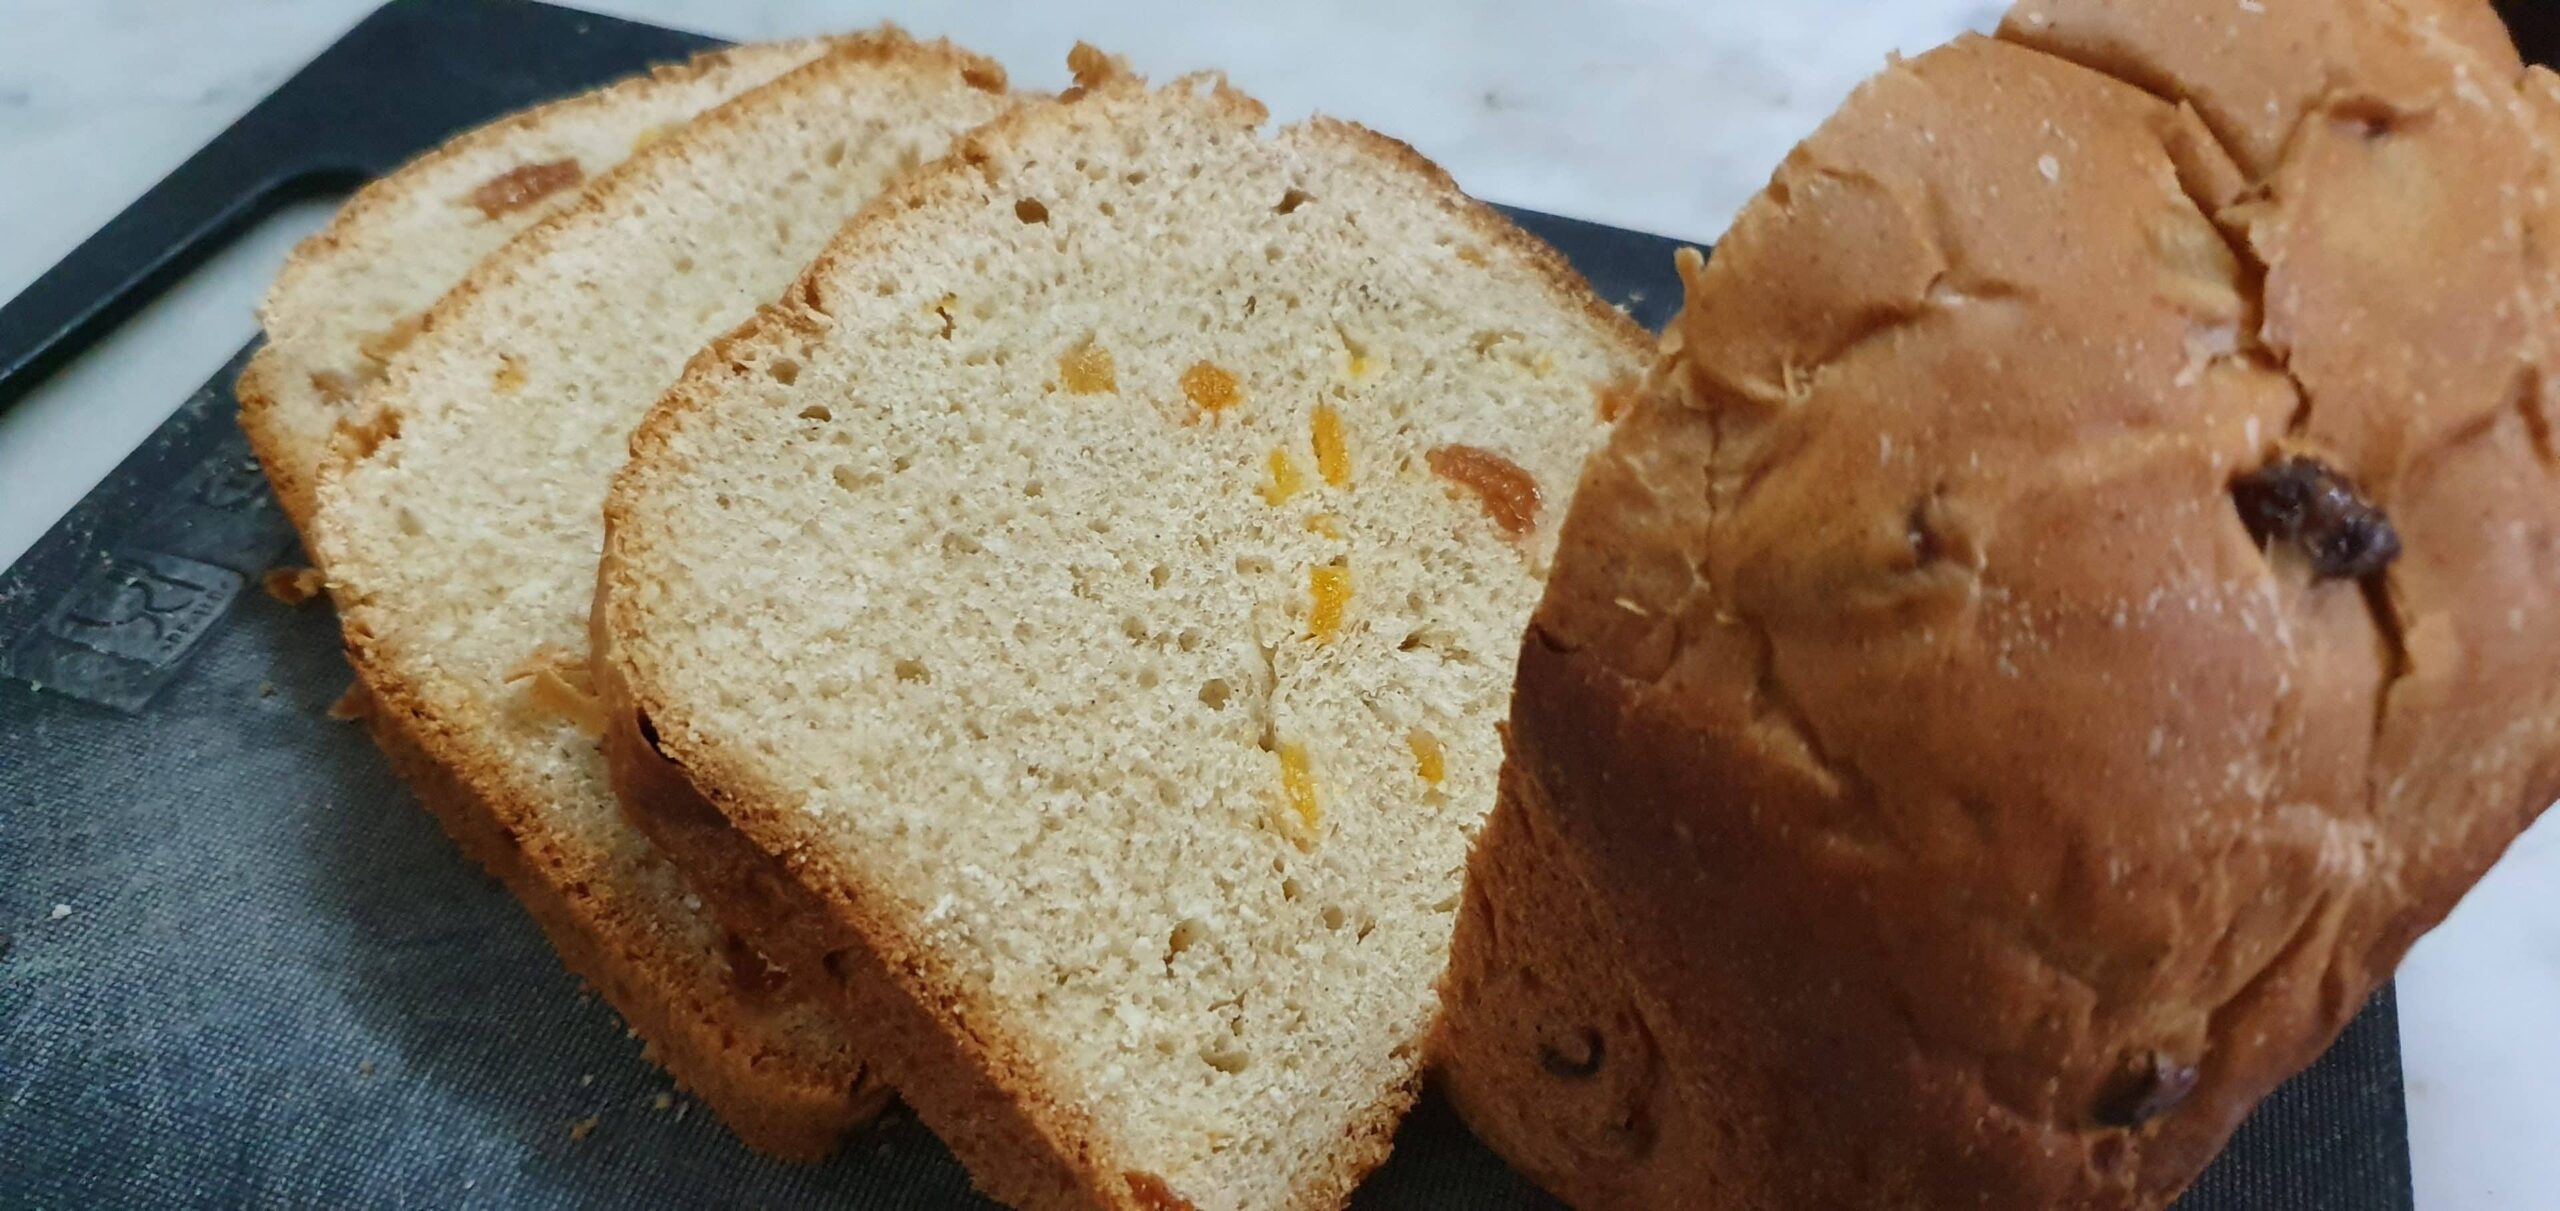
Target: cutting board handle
434, 66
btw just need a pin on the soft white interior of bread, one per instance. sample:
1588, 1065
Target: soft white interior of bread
465, 545
1027, 657
404, 241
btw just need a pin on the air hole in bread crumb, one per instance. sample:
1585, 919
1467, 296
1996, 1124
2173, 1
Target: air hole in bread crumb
1147, 679
1134, 627
1188, 640
912, 671
1271, 253
1292, 200
1135, 176
784, 371
833, 155
884, 288
1228, 1058
853, 481
1185, 935
1031, 210
1334, 917
956, 544
1291, 889
1108, 210
409, 523
1253, 565
1215, 694
818, 412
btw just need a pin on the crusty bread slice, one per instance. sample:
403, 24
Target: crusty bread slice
461, 537
350, 295
1087, 602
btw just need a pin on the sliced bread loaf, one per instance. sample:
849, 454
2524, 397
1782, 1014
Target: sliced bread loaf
461, 538
1085, 605
351, 295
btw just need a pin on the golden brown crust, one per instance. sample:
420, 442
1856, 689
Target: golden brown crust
966, 1088
2003, 814
1545, 1051
790, 1107
778, 880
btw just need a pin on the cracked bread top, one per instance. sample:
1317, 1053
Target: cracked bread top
2079, 597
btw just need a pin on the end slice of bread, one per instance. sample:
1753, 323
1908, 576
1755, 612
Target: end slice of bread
1077, 619
461, 531
351, 295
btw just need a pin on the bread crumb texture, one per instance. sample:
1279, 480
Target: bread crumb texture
462, 545
351, 296
1026, 613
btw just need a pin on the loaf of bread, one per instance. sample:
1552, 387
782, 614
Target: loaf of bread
349, 297
2079, 597
1084, 608
460, 536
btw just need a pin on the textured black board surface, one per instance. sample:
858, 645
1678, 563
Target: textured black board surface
276, 984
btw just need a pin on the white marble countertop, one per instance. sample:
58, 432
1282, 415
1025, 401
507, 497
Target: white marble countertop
1662, 115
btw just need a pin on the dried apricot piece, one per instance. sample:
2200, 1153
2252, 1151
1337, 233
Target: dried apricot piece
1509, 494
1087, 370
1430, 761
1329, 585
1333, 450
524, 185
1285, 479
1210, 388
1298, 787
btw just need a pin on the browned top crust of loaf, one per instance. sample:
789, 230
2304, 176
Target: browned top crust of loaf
2080, 599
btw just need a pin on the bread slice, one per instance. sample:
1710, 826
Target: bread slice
1086, 603
461, 542
352, 294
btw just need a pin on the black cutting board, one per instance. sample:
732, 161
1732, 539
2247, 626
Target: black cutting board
238, 967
